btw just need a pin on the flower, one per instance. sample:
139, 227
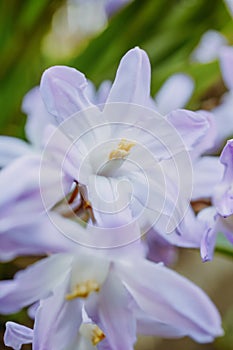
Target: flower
118, 300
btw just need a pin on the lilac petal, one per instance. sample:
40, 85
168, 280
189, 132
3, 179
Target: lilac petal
193, 128
25, 196
110, 199
16, 335
210, 217
208, 172
171, 299
208, 141
12, 148
63, 92
103, 92
229, 4
20, 197
34, 283
37, 238
98, 97
132, 81
147, 325
209, 46
37, 116
174, 94
187, 234
111, 311
223, 196
223, 120
57, 320
226, 63
159, 249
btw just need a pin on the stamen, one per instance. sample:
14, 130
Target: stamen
122, 150
73, 195
82, 290
98, 335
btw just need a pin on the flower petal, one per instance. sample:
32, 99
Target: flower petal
16, 335
57, 320
12, 148
37, 238
208, 172
171, 299
63, 92
37, 116
34, 283
25, 196
223, 196
226, 63
112, 313
193, 128
175, 93
209, 46
132, 81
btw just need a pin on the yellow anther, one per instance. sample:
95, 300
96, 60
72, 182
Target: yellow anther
122, 149
97, 335
82, 290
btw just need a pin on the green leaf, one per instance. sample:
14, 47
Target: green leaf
223, 246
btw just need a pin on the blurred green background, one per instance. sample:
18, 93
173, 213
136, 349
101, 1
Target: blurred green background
37, 34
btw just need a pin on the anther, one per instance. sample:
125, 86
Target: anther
98, 335
82, 290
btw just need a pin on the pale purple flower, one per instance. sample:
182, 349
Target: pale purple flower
38, 118
229, 5
174, 93
72, 159
118, 300
223, 113
213, 45
209, 47
213, 181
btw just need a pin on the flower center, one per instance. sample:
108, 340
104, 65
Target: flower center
122, 150
79, 206
83, 290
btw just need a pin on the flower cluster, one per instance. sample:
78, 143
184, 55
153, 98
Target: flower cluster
108, 184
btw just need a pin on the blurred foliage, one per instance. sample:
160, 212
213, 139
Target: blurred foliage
224, 246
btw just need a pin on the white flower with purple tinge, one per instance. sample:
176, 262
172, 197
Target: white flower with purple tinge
119, 302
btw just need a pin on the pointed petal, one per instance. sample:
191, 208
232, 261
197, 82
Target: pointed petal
37, 238
208, 172
25, 196
37, 116
63, 92
34, 283
16, 335
193, 128
57, 320
223, 196
175, 93
12, 148
210, 218
132, 81
112, 313
166, 296
147, 325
